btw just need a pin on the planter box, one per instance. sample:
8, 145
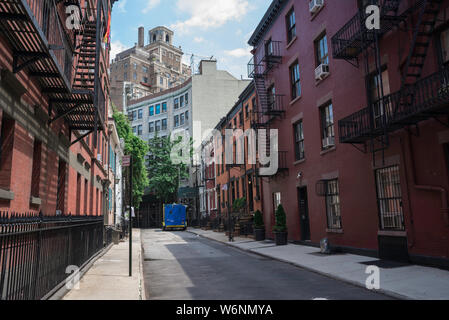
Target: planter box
259, 234
280, 238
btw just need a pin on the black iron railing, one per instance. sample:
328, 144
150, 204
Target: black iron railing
246, 228
354, 37
426, 98
275, 105
37, 253
57, 36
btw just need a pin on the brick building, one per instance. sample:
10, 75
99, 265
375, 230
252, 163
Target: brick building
236, 178
53, 107
361, 117
147, 68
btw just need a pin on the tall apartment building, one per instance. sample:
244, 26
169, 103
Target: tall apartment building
362, 117
53, 108
147, 69
195, 106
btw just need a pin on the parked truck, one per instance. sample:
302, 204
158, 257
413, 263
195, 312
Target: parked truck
174, 217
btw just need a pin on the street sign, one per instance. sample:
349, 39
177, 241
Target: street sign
126, 161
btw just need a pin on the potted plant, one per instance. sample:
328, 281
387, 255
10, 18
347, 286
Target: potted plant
280, 228
259, 227
238, 207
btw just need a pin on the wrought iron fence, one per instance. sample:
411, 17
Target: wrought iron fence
246, 228
36, 251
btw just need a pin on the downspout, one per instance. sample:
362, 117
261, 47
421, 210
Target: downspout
443, 192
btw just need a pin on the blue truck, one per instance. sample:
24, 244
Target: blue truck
174, 217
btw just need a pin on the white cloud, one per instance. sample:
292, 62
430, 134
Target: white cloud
121, 6
116, 47
150, 5
207, 14
198, 39
239, 53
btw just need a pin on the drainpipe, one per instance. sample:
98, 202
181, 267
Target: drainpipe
443, 192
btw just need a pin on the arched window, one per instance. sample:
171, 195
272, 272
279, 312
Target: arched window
167, 38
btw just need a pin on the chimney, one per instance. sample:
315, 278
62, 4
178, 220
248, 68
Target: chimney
141, 39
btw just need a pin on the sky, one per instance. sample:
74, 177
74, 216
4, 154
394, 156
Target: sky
205, 28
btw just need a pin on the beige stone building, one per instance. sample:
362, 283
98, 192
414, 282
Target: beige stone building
147, 69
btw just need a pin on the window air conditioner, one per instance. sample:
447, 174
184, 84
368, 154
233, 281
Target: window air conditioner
315, 5
321, 72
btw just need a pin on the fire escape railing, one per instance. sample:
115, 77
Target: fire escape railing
282, 165
354, 37
428, 97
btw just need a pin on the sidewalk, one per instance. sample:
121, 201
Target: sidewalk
108, 278
407, 281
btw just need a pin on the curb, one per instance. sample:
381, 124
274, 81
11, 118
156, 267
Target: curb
329, 275
60, 291
141, 280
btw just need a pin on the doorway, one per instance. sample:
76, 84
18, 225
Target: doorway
304, 214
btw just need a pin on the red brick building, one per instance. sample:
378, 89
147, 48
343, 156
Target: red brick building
362, 115
53, 107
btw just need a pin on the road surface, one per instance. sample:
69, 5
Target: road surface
184, 266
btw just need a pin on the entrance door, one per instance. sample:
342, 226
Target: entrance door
304, 213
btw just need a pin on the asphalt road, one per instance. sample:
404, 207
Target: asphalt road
183, 266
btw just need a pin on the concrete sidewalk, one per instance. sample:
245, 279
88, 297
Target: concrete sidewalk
108, 278
401, 281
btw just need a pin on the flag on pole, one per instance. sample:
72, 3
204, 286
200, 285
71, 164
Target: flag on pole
107, 36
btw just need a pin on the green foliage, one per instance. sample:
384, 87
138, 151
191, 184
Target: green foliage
137, 148
239, 204
281, 220
165, 175
258, 220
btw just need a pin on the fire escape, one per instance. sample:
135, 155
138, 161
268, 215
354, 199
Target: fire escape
270, 104
418, 98
42, 45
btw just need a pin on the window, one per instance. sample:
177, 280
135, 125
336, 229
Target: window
151, 127
60, 195
187, 98
158, 109
158, 125
144, 79
126, 65
36, 169
295, 80
139, 130
164, 124
134, 130
271, 97
134, 76
161, 80
321, 52
333, 204
269, 47
164, 107
327, 126
176, 120
376, 93
134, 114
291, 25
246, 111
144, 69
125, 76
187, 116
181, 101
389, 198
135, 66
176, 103
152, 111
444, 45
140, 113
299, 141
181, 117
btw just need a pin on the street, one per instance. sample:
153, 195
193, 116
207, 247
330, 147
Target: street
184, 266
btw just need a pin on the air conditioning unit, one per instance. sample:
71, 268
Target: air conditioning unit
328, 142
315, 5
322, 72
100, 157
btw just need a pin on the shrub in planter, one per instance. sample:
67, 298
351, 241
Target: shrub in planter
259, 227
280, 228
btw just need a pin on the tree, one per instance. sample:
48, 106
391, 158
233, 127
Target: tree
164, 175
281, 220
138, 149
